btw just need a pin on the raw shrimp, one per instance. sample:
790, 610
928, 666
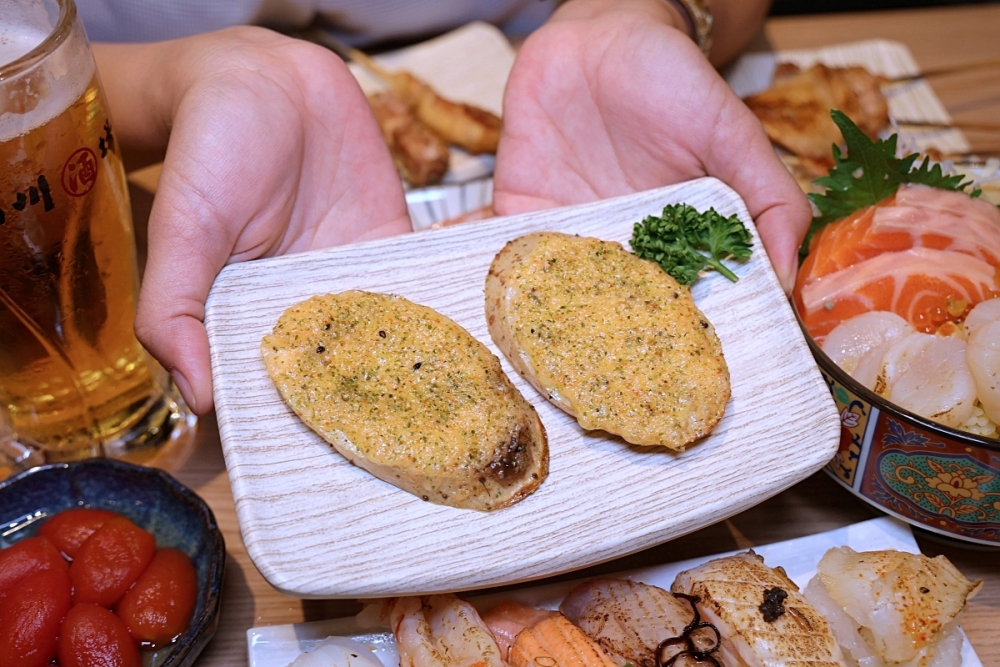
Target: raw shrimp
928, 375
441, 631
983, 357
508, 619
857, 345
892, 607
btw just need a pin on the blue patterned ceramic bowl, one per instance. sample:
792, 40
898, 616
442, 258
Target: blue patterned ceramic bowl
151, 498
934, 477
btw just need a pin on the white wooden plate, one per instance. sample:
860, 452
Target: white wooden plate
316, 526
278, 645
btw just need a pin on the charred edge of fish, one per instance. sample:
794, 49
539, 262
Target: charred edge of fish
512, 456
690, 648
773, 605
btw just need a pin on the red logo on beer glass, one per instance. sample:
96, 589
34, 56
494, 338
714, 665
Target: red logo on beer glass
80, 172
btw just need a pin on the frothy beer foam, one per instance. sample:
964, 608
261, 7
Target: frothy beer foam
55, 83
15, 42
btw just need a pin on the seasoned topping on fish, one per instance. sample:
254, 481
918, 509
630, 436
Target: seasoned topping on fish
903, 601
410, 396
730, 592
773, 605
699, 641
609, 338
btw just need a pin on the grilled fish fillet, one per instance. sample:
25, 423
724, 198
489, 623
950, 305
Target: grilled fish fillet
542, 638
737, 595
795, 110
609, 338
628, 619
410, 396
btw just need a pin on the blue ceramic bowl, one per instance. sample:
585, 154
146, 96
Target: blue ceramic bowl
152, 499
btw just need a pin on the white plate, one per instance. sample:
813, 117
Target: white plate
428, 206
470, 65
316, 526
278, 645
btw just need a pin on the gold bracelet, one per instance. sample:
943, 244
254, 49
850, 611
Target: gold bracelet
699, 22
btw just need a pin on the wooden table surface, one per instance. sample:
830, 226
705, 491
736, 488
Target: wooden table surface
937, 38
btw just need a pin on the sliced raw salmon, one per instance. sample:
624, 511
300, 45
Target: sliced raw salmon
917, 216
925, 287
530, 637
926, 254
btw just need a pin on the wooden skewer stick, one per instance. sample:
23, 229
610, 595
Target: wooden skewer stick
349, 53
980, 127
370, 64
472, 128
944, 71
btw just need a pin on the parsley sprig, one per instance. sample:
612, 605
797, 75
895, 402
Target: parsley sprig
684, 242
867, 174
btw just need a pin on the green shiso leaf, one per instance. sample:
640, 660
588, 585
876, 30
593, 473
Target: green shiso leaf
867, 174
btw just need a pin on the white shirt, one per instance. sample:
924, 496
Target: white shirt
357, 21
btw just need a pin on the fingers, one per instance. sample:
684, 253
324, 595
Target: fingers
744, 158
273, 150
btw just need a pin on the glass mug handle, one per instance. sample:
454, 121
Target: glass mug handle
15, 455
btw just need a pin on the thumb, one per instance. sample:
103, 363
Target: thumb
186, 252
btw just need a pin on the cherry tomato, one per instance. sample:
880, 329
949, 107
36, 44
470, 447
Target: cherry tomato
92, 636
158, 607
30, 616
110, 561
69, 529
28, 556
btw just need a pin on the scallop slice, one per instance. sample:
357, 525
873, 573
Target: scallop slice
903, 607
858, 345
983, 313
338, 652
928, 375
983, 357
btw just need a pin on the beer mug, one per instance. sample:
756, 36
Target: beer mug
74, 381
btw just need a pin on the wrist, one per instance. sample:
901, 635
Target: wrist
697, 20
660, 11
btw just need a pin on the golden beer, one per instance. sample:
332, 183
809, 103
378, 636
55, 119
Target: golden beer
73, 378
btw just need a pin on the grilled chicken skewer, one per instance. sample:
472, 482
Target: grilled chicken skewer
474, 129
420, 154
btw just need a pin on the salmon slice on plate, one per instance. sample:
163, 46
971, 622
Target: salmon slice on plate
928, 255
918, 216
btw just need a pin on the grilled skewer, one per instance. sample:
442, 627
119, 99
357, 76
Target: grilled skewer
474, 129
